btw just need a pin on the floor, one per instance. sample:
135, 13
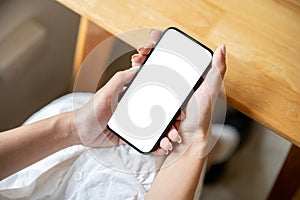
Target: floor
251, 172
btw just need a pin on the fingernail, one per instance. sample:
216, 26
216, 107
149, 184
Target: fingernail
171, 148
167, 152
148, 46
147, 50
182, 116
180, 140
139, 49
134, 56
224, 49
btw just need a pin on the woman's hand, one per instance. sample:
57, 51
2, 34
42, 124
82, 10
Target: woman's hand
186, 162
91, 120
200, 108
193, 124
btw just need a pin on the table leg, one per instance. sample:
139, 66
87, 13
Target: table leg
89, 36
288, 180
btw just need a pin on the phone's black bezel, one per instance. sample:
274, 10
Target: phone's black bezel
198, 83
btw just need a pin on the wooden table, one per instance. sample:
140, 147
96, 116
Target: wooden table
263, 45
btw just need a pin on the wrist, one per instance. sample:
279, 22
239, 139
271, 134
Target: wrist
198, 147
67, 126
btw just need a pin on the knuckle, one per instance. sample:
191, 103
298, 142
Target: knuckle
119, 74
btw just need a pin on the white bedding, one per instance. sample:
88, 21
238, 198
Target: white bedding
78, 172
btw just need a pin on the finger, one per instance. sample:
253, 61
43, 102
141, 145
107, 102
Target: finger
145, 50
216, 73
155, 34
166, 144
215, 76
137, 59
121, 142
219, 60
200, 107
133, 64
121, 78
160, 152
173, 135
113, 88
182, 116
125, 87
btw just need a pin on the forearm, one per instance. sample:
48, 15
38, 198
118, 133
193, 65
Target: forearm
28, 144
178, 178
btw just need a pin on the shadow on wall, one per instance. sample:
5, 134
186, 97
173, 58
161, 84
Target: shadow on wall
37, 43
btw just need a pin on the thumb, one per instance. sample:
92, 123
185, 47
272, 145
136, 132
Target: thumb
119, 79
213, 80
113, 88
219, 60
155, 34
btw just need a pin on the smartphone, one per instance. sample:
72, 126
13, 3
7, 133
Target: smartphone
168, 77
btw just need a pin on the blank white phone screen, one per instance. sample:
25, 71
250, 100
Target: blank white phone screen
159, 90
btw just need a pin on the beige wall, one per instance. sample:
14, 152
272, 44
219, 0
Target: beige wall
46, 74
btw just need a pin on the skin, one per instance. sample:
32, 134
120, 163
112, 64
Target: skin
186, 170
23, 146
184, 173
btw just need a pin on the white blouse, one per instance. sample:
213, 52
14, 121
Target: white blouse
79, 172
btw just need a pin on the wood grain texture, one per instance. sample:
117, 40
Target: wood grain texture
262, 38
